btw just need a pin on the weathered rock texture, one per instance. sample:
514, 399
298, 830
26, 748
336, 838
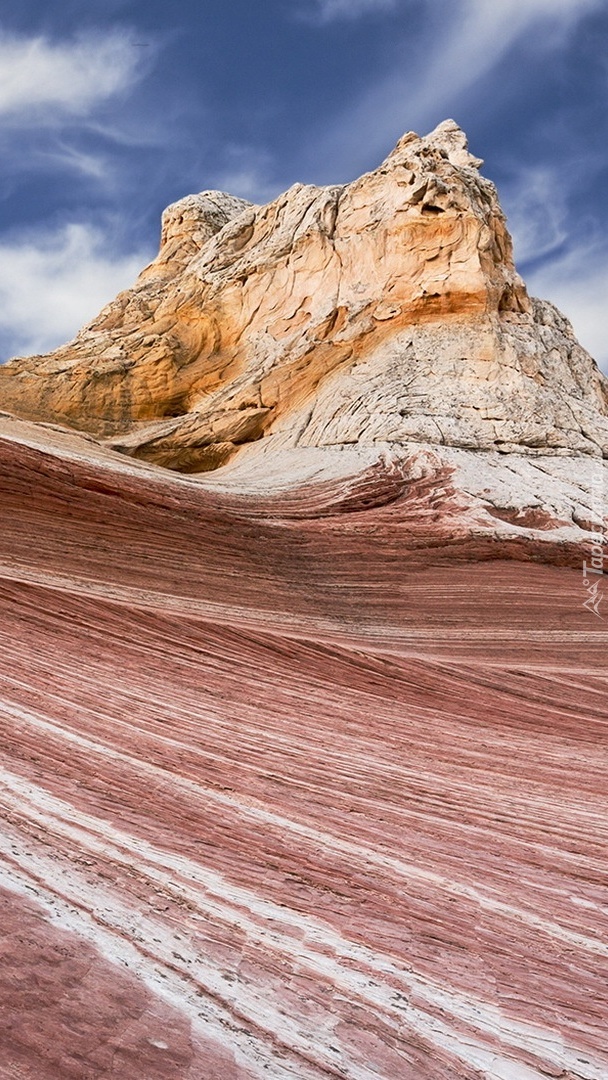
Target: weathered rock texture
387, 310
289, 792
304, 759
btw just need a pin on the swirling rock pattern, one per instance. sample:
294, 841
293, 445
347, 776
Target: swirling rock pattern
308, 783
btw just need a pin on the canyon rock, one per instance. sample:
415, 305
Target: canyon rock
294, 785
304, 737
387, 310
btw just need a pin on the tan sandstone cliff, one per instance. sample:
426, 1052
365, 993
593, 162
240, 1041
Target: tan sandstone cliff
380, 325
387, 310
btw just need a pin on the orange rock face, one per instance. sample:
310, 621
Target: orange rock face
386, 310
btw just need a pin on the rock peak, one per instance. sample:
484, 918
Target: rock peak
188, 224
450, 137
382, 312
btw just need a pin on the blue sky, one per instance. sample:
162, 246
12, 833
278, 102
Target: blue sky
110, 111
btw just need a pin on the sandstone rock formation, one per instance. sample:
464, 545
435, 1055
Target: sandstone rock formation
288, 792
384, 311
303, 755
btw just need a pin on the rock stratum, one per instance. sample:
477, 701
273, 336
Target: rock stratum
304, 735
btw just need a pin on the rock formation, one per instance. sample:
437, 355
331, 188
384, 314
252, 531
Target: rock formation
287, 792
303, 738
384, 311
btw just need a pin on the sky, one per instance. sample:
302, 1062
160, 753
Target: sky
112, 109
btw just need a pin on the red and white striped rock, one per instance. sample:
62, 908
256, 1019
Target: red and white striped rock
289, 793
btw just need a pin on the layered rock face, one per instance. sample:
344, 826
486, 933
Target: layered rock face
286, 792
303, 758
384, 311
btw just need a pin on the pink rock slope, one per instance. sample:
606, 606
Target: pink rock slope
311, 785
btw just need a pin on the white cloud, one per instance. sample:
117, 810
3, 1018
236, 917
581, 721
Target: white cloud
577, 284
461, 42
480, 33
331, 10
536, 203
51, 285
39, 77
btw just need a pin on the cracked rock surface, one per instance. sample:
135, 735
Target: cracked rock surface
385, 310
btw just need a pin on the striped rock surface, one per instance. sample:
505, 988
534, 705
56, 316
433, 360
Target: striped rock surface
303, 786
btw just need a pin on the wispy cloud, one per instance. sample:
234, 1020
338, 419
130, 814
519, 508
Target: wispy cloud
326, 11
63, 103
51, 284
537, 205
484, 32
40, 78
461, 42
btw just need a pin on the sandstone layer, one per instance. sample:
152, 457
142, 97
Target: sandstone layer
301, 786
